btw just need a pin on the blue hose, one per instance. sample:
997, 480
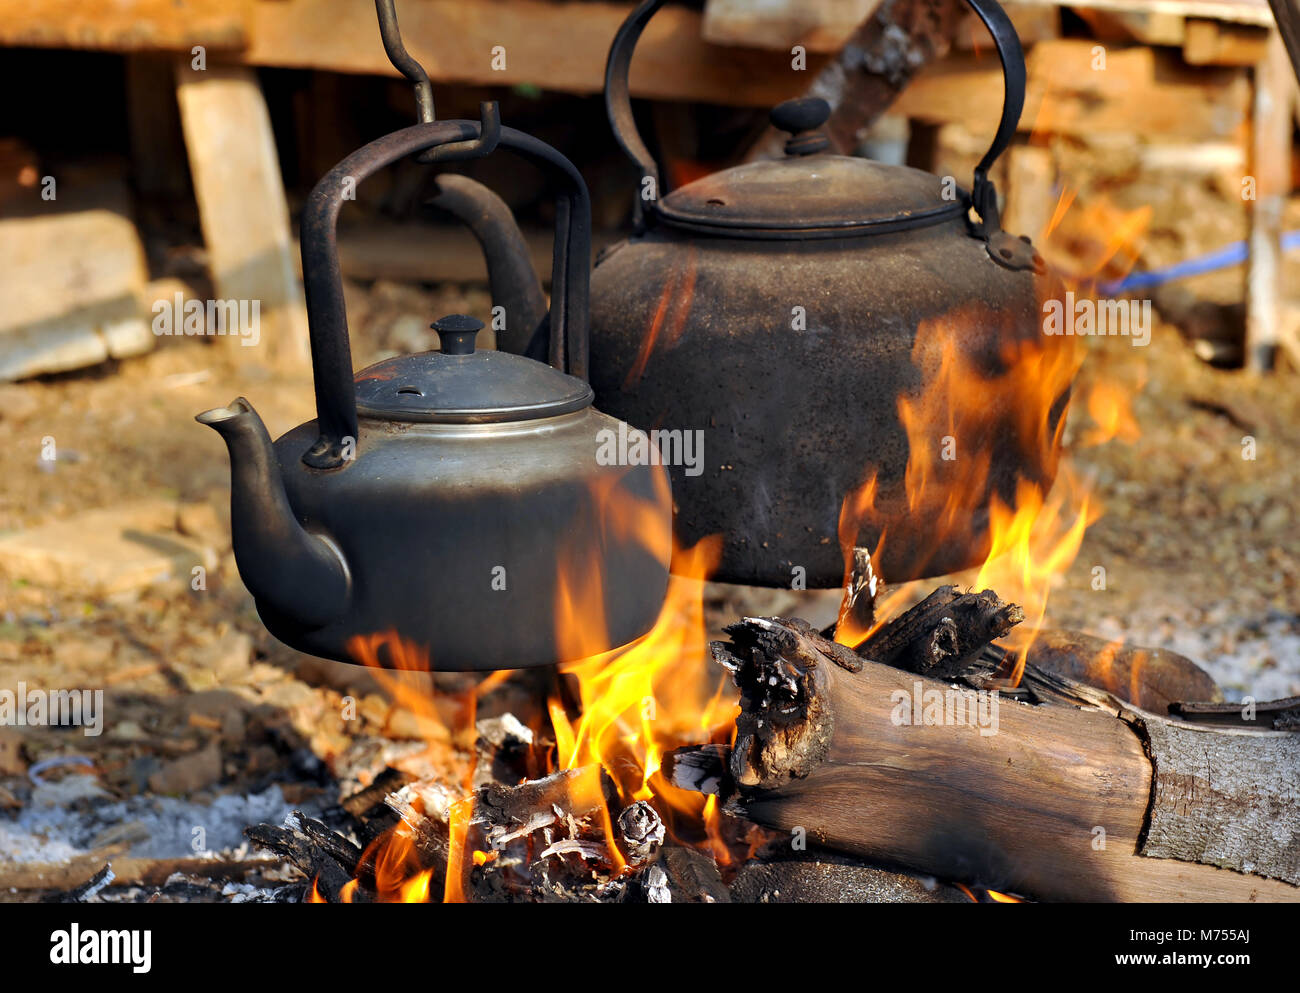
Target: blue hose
1228, 255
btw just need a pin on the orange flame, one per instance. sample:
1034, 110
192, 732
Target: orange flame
968, 408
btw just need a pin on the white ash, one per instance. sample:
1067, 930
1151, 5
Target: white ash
74, 817
1258, 657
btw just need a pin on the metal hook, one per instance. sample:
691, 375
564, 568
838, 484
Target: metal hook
403, 61
489, 115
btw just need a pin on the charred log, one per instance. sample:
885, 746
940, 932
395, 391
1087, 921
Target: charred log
944, 635
641, 832
1049, 801
1280, 715
1150, 678
316, 859
862, 590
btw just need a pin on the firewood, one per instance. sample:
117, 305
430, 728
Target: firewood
1049, 802
678, 875
1280, 715
502, 750
699, 768
641, 832
127, 871
543, 839
369, 801
862, 590
1150, 678
1225, 797
90, 887
944, 634
317, 859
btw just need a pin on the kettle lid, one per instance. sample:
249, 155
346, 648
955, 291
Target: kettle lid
462, 385
809, 193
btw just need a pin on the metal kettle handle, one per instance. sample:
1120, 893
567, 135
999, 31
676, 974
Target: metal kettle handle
331, 355
618, 102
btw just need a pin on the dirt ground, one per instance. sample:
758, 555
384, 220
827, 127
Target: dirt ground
1201, 549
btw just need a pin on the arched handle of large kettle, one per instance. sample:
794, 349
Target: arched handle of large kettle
618, 102
331, 355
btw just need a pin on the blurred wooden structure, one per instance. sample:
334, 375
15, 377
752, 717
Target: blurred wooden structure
1201, 72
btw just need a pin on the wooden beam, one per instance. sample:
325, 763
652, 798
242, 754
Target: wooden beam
1213, 43
242, 206
125, 25
1140, 90
817, 25
1030, 190
557, 45
1271, 169
1143, 27
1236, 11
1034, 22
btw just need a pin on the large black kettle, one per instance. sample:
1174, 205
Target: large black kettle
775, 306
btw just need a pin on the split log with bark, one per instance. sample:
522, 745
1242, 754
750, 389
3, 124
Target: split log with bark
1078, 798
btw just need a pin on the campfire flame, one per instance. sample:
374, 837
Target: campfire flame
623, 710
1034, 533
637, 702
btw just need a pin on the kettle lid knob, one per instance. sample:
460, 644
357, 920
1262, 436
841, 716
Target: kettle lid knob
801, 118
456, 333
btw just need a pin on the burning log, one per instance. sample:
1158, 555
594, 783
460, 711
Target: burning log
641, 832
944, 634
861, 591
544, 839
502, 748
1052, 802
323, 856
1149, 678
678, 875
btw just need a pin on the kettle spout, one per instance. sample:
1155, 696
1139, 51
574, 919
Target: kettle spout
296, 574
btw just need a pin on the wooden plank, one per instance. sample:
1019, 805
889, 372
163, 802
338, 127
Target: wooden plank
817, 25
1271, 169
125, 25
1144, 27
557, 45
1030, 191
1211, 43
1034, 22
1139, 90
242, 205
1236, 11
